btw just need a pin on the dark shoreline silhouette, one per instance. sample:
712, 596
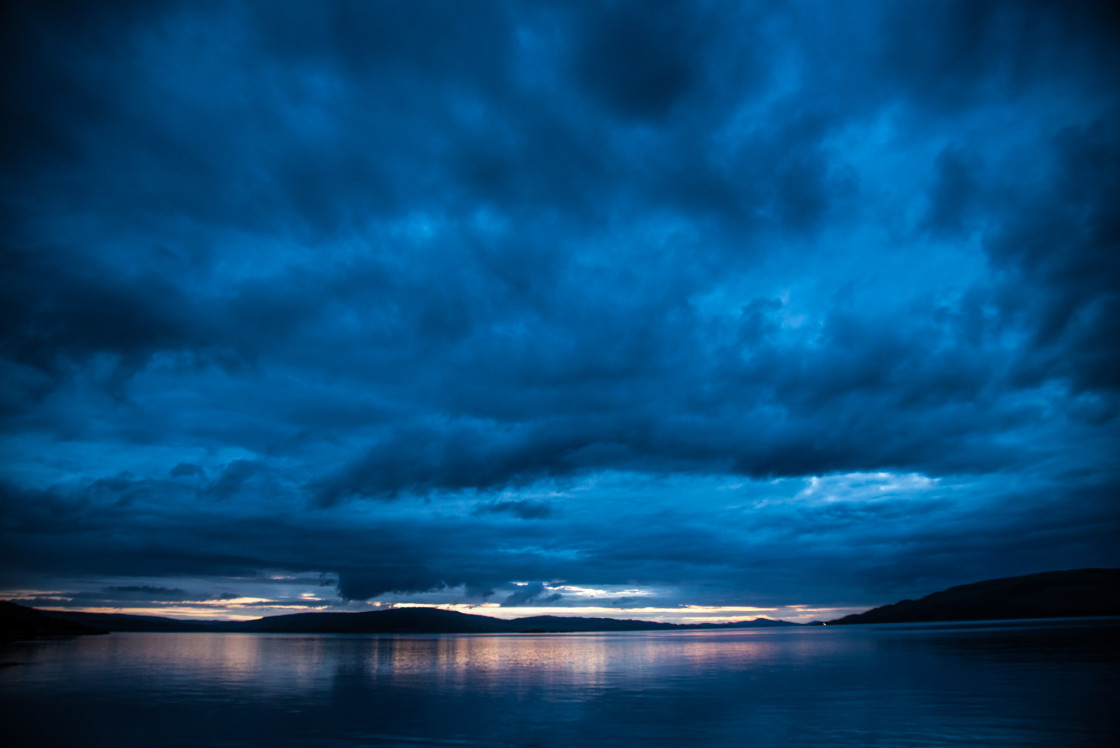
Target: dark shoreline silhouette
1056, 594
1052, 594
20, 622
391, 621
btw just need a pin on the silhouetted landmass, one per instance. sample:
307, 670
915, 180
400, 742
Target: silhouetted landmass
1052, 594
1056, 594
435, 621
391, 621
753, 624
126, 622
18, 622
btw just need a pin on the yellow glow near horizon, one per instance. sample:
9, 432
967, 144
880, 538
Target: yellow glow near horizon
207, 614
800, 613
250, 608
709, 613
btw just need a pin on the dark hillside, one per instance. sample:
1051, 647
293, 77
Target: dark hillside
18, 622
1052, 594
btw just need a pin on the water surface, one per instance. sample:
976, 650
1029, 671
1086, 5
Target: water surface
1022, 684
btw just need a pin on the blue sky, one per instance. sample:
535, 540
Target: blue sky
668, 310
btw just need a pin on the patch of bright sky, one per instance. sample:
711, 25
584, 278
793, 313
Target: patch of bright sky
681, 614
259, 597
270, 593
248, 608
867, 487
644, 488
640, 491
553, 552
592, 593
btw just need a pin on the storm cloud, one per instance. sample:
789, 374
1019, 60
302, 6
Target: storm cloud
711, 303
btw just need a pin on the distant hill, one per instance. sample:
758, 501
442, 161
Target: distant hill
391, 621
1055, 594
18, 622
1052, 594
126, 622
435, 621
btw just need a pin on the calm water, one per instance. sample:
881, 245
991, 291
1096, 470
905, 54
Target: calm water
1042, 684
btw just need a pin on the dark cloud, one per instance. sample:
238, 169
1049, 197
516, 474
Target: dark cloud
186, 470
532, 593
638, 61
524, 509
954, 192
234, 478
853, 537
147, 590
61, 310
952, 56
282, 604
389, 577
1062, 268
344, 289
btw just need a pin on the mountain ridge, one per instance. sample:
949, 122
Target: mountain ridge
20, 622
1050, 594
407, 620
1053, 594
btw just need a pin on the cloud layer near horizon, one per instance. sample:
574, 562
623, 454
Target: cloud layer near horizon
716, 303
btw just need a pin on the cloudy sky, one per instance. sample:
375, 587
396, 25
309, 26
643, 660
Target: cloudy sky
659, 310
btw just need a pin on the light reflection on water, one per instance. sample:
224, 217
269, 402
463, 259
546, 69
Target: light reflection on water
1008, 684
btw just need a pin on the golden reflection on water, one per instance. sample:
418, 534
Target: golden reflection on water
580, 664
806, 686
584, 663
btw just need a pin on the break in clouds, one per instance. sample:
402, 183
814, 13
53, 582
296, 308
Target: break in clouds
556, 304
